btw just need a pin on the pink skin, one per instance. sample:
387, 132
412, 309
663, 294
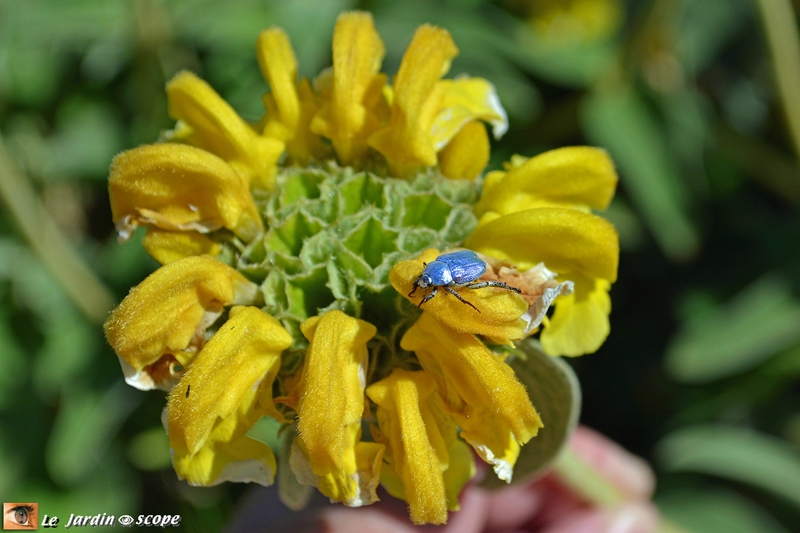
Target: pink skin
546, 506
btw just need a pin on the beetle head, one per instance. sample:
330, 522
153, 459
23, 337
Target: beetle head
424, 281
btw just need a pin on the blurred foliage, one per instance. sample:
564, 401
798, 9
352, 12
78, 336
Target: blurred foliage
700, 374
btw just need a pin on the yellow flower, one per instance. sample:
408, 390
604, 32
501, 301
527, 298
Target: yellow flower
232, 377
291, 104
426, 465
499, 314
166, 246
244, 215
205, 120
348, 115
330, 403
428, 112
179, 187
479, 390
467, 154
581, 177
581, 247
538, 211
160, 324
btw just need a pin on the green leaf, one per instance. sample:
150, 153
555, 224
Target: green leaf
294, 495
753, 326
734, 453
716, 511
70, 344
555, 392
570, 64
87, 421
87, 137
266, 430
619, 121
149, 450
706, 27
14, 364
111, 489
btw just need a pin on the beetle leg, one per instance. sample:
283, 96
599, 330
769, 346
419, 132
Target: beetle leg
498, 284
427, 297
454, 293
414, 288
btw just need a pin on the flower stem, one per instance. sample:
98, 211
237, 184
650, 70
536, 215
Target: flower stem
783, 41
590, 485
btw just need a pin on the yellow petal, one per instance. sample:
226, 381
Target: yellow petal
331, 394
464, 100
214, 126
412, 442
227, 388
490, 437
580, 322
500, 310
578, 176
566, 240
365, 480
168, 246
407, 142
168, 313
227, 455
279, 67
242, 354
470, 378
179, 187
467, 154
290, 104
347, 118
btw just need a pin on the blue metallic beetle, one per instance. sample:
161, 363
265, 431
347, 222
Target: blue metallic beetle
454, 269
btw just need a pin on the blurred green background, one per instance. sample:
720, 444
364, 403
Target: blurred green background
698, 102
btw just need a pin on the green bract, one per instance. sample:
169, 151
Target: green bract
333, 234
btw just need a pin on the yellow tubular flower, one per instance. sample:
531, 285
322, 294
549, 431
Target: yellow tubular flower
208, 122
331, 403
418, 450
311, 207
348, 117
467, 154
462, 101
232, 377
500, 310
480, 390
407, 141
168, 246
454, 455
179, 187
582, 177
579, 246
290, 104
161, 322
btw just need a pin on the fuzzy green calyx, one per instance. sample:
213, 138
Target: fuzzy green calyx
334, 233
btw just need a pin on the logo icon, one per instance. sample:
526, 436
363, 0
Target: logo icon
125, 520
20, 516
